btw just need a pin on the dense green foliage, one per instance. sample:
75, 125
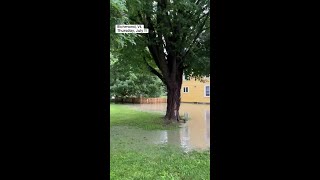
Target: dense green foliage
133, 158
118, 11
127, 82
135, 85
184, 27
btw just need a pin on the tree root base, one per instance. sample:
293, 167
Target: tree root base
173, 121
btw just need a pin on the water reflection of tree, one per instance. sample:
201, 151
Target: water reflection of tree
173, 137
164, 137
185, 137
179, 137
207, 118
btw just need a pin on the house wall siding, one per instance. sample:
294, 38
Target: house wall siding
196, 91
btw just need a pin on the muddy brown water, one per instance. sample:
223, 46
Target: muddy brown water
192, 135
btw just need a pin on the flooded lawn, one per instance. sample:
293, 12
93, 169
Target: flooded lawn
192, 135
143, 147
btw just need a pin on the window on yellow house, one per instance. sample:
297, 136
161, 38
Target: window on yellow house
185, 78
207, 91
185, 89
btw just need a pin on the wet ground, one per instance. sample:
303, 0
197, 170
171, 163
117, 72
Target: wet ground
192, 135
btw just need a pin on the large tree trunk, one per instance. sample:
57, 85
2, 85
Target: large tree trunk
173, 99
171, 68
172, 114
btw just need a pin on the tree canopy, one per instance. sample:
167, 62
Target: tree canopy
178, 41
178, 28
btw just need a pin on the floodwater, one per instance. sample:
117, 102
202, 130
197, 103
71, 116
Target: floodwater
192, 135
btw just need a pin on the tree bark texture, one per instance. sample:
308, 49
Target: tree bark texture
174, 98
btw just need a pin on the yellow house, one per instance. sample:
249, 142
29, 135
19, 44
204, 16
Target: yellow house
195, 91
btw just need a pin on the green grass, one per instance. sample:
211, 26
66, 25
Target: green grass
121, 115
133, 158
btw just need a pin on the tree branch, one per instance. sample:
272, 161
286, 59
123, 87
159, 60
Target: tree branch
206, 28
203, 15
191, 14
158, 56
197, 2
154, 71
195, 38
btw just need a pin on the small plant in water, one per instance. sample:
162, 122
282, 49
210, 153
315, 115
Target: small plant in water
184, 119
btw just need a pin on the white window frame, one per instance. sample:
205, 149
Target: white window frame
184, 89
205, 87
185, 78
